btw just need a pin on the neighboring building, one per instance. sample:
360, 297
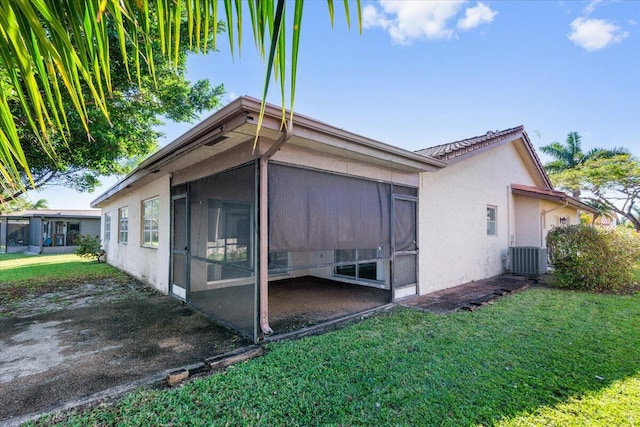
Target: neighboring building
45, 230
214, 217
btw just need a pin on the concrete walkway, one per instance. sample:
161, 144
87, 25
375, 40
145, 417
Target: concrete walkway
468, 296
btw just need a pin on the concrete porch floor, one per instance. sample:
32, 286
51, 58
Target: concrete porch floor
308, 301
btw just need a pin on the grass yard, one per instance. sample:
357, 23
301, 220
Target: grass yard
539, 357
22, 275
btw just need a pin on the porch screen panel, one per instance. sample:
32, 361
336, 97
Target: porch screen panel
222, 248
313, 211
405, 225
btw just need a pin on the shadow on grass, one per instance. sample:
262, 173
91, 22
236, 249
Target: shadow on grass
534, 349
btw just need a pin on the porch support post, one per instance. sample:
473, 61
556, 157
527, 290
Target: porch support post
264, 247
264, 228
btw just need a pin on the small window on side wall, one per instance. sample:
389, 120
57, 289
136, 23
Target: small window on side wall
150, 215
123, 225
492, 215
107, 226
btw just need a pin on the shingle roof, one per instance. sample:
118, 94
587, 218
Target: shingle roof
448, 151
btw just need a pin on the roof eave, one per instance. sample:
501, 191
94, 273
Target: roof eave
246, 110
558, 198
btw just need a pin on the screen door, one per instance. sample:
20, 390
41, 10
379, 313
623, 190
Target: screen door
179, 247
404, 274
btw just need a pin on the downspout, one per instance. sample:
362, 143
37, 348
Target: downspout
544, 213
263, 225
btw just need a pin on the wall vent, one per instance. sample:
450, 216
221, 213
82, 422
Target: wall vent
528, 260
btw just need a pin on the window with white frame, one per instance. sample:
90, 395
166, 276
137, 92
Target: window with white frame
107, 226
492, 214
357, 263
150, 213
123, 225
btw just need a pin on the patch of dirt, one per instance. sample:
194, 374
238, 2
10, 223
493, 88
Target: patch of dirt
78, 296
94, 341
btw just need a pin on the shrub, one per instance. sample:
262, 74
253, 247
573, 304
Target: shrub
89, 247
592, 259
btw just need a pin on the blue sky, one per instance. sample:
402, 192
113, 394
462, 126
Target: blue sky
426, 72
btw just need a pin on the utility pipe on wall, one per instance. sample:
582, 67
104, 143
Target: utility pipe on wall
264, 228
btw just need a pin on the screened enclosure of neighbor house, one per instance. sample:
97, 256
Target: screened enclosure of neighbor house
321, 225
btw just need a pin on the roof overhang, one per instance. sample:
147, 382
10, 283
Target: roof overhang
53, 214
237, 122
552, 195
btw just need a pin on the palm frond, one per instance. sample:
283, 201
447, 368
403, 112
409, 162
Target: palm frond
48, 47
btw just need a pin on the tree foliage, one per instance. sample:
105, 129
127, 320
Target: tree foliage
88, 247
21, 204
135, 106
570, 155
611, 182
592, 259
52, 49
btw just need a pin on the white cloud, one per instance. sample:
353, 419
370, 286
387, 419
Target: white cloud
474, 16
591, 6
411, 19
595, 34
371, 18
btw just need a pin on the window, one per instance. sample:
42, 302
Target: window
278, 260
364, 264
123, 225
107, 226
492, 213
150, 212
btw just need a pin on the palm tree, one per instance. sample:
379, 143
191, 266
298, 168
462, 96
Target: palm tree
48, 47
21, 204
570, 155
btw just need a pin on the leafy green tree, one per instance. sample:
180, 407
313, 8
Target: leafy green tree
570, 155
135, 107
610, 182
89, 247
52, 49
22, 204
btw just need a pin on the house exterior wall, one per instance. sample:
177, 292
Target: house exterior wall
149, 265
552, 214
3, 235
527, 221
534, 218
35, 235
90, 227
453, 241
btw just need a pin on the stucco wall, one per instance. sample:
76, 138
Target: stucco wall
527, 221
150, 265
553, 213
90, 227
453, 241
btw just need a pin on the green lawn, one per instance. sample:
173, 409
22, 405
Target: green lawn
540, 357
22, 275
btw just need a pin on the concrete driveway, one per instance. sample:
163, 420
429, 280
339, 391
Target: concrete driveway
100, 339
